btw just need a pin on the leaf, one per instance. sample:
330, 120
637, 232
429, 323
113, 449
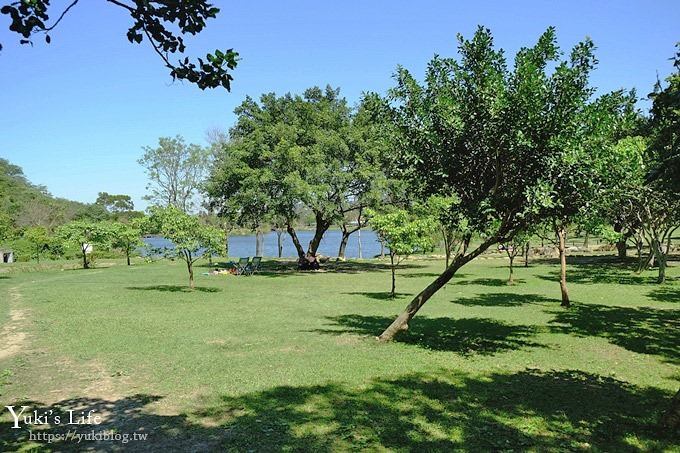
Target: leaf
48, 39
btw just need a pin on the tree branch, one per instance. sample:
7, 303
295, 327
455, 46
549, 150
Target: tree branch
62, 16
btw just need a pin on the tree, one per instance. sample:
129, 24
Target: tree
664, 131
513, 248
162, 22
187, 233
115, 204
87, 235
403, 233
39, 239
176, 171
496, 139
290, 153
127, 236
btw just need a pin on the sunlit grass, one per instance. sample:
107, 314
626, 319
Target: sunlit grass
288, 360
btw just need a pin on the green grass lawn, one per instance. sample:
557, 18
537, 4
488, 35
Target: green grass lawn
285, 361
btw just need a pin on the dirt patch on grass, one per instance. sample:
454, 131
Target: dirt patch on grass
12, 337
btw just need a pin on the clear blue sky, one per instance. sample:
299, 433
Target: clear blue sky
76, 113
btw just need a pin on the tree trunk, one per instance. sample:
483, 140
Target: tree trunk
394, 270
361, 255
259, 242
343, 243
190, 267
526, 254
661, 260
279, 242
296, 241
671, 419
84, 250
127, 255
562, 238
321, 226
382, 249
510, 279
585, 240
401, 323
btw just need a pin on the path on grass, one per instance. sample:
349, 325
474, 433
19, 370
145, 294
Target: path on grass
12, 337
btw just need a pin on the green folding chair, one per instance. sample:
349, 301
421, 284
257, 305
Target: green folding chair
253, 266
242, 266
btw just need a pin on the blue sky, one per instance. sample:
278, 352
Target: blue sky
77, 112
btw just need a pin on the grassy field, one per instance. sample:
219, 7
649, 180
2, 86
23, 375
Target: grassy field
287, 361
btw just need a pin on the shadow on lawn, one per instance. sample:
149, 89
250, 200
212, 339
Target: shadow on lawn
666, 294
489, 282
598, 269
643, 329
464, 336
174, 289
503, 300
534, 410
531, 410
381, 295
124, 418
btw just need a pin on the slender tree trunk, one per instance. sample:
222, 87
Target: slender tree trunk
279, 241
657, 251
84, 250
259, 241
562, 238
526, 254
296, 241
621, 245
343, 242
671, 419
127, 255
401, 323
361, 255
394, 270
585, 240
510, 279
190, 267
382, 249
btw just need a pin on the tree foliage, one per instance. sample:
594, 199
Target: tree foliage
403, 233
87, 235
176, 171
162, 22
292, 152
665, 130
497, 139
187, 233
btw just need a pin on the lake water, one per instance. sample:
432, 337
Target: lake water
245, 245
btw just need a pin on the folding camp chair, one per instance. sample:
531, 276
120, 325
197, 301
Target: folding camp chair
242, 266
253, 266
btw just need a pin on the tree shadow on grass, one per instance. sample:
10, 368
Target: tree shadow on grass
120, 421
380, 295
420, 274
498, 282
598, 270
441, 411
666, 294
503, 300
174, 289
465, 336
643, 329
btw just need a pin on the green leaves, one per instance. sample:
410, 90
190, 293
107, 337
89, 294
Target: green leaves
403, 233
162, 22
185, 231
